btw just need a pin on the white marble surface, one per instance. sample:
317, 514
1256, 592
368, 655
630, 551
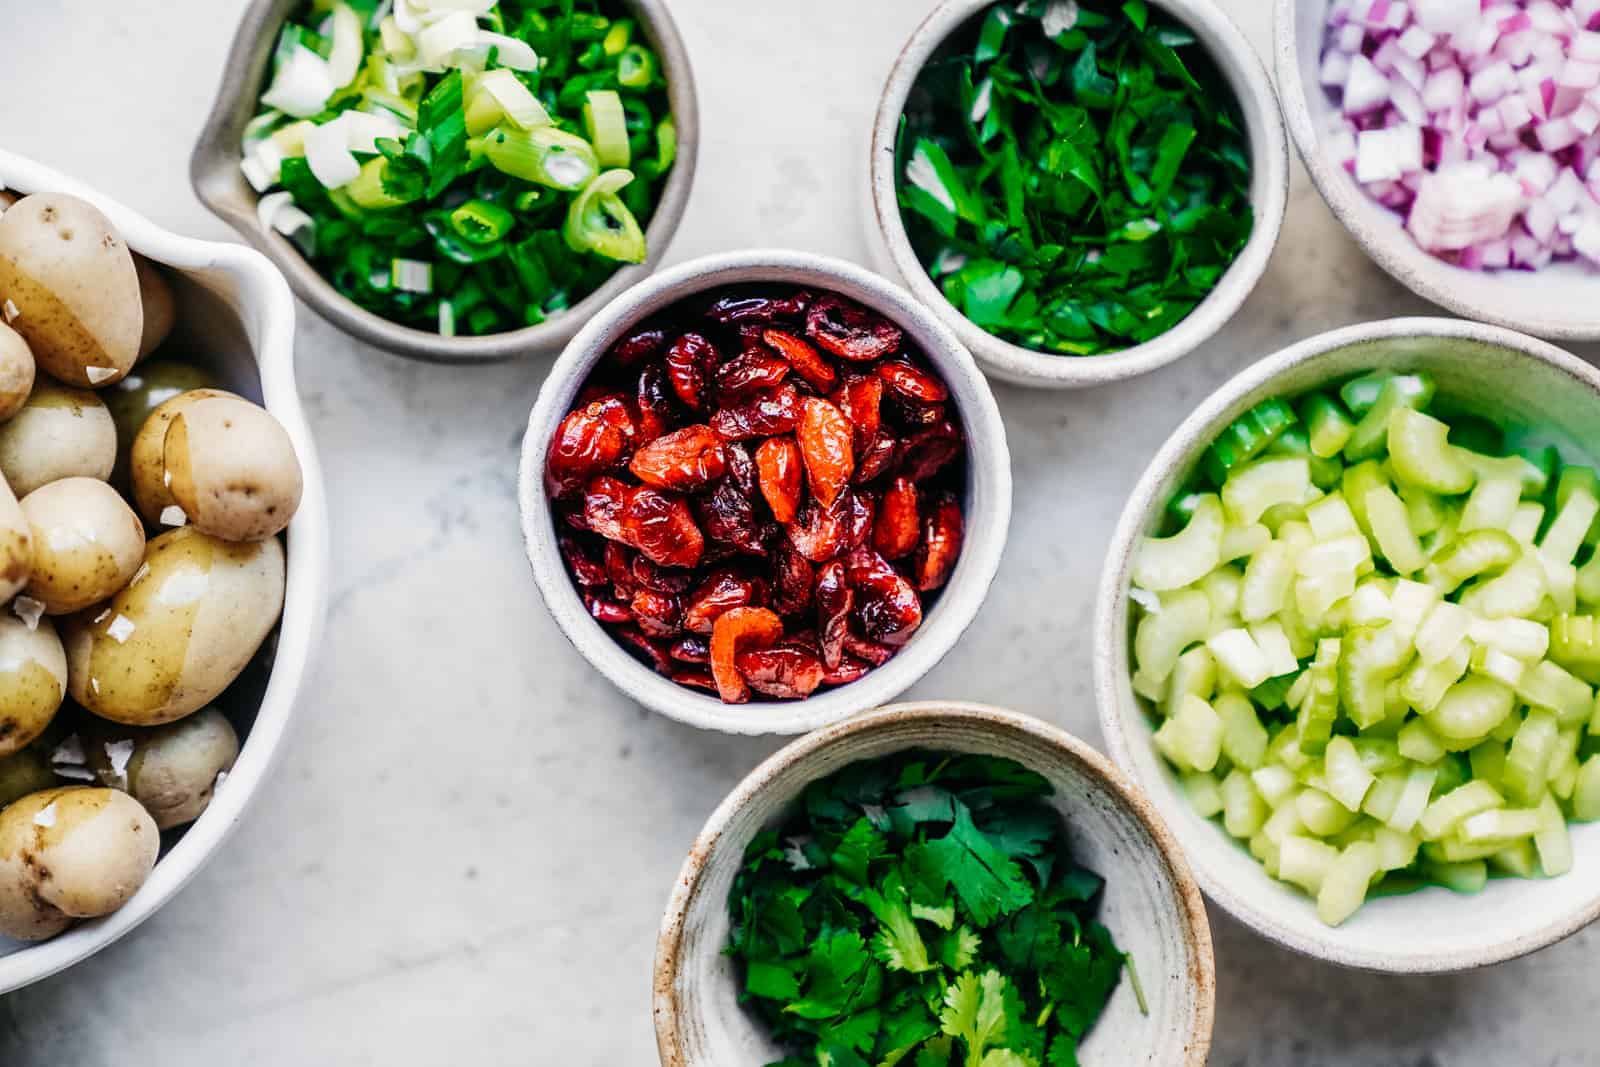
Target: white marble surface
468, 843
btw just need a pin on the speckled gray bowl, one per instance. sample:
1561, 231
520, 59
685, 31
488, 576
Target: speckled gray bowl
1269, 194
1433, 930
1560, 301
214, 172
988, 492
1151, 905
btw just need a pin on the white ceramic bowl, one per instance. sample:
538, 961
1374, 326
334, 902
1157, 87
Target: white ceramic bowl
988, 493
1560, 301
1432, 930
237, 311
1269, 194
1151, 905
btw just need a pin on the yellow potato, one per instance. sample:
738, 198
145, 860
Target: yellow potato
146, 466
16, 372
16, 545
160, 310
87, 543
59, 433
172, 770
74, 286
180, 633
24, 772
232, 469
71, 853
33, 680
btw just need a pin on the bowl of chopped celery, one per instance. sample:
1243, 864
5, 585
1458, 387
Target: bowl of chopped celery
1084, 191
935, 883
1348, 640
454, 180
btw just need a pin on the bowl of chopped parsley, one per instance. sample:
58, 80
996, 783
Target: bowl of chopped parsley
454, 180
935, 885
1084, 189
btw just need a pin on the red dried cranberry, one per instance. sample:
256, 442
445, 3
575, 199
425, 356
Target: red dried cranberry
681, 461
782, 672
588, 441
654, 651
912, 382
806, 361
724, 589
942, 531
765, 413
834, 600
780, 474
747, 372
691, 648
639, 345
898, 527
735, 308
850, 331
690, 362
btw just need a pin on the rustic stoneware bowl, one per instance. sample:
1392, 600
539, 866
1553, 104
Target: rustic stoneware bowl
1433, 930
988, 492
214, 171
1151, 905
236, 317
1560, 301
1269, 193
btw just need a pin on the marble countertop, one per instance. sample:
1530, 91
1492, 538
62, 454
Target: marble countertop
467, 845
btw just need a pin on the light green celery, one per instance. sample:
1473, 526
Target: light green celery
1164, 563
1421, 455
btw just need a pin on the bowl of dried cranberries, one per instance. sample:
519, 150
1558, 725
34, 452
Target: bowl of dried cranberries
764, 491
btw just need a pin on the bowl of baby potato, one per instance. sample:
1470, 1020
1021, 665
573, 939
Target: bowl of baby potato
163, 559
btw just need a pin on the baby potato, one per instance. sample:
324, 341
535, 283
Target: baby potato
232, 469
33, 680
146, 467
16, 545
75, 287
160, 309
16, 372
180, 633
87, 542
71, 853
171, 770
59, 433
131, 401
24, 772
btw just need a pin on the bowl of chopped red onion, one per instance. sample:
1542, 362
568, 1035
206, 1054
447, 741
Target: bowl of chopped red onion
1459, 142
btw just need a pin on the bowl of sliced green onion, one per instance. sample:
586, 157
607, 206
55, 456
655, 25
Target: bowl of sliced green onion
1348, 640
454, 180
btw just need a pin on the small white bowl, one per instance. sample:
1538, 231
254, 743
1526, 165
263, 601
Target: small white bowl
988, 493
237, 314
1432, 930
1561, 301
1269, 195
1151, 905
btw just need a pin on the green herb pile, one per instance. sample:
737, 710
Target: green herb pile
471, 219
922, 909
1074, 175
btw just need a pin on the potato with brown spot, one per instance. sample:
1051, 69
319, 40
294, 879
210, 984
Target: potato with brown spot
172, 770
33, 680
59, 433
232, 469
160, 309
16, 544
75, 288
16, 372
179, 633
68, 854
146, 466
132, 400
87, 543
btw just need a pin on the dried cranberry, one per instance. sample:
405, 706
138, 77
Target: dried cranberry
730, 517
731, 309
765, 413
619, 569
690, 361
691, 648
824, 439
724, 589
658, 614
698, 679
806, 360
653, 650
654, 400
849, 670
819, 533
909, 413
913, 382
661, 579
586, 571
747, 372
604, 501
850, 331
861, 648
863, 510
588, 441
926, 452
782, 672
877, 459
861, 400
681, 461
942, 531
791, 579
737, 630
662, 528
781, 475
741, 467
834, 600
896, 532
639, 345
887, 607
607, 610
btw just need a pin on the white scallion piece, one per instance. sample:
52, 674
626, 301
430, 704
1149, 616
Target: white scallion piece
328, 153
411, 275
302, 85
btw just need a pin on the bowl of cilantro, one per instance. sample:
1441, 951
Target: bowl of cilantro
455, 181
935, 883
1085, 190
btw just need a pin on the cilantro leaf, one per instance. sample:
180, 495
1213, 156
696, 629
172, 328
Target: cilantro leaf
987, 881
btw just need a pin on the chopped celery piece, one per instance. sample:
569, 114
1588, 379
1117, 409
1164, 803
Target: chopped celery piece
1362, 394
1164, 563
1402, 393
1488, 760
1492, 504
1243, 810
1517, 858
1328, 425
1578, 506
1586, 791
1445, 813
1192, 737
1325, 472
1574, 644
1331, 518
1221, 588
1525, 522
1203, 792
1493, 663
1241, 541
1238, 655
1497, 824
1386, 515
1528, 758
1273, 693
1471, 709
1251, 490
1344, 888
1195, 675
1419, 743
1546, 685
1305, 861
1320, 708
1422, 456
1244, 739
1321, 814
1161, 638
1275, 784
1551, 840
1369, 657
1442, 631
1470, 555
1384, 796
1518, 591
1348, 779
1396, 850
1522, 638
1467, 877
1270, 638
1413, 799
1267, 578
1427, 512
1424, 685
1247, 437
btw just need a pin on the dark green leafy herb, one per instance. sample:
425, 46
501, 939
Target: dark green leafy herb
922, 909
1074, 176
